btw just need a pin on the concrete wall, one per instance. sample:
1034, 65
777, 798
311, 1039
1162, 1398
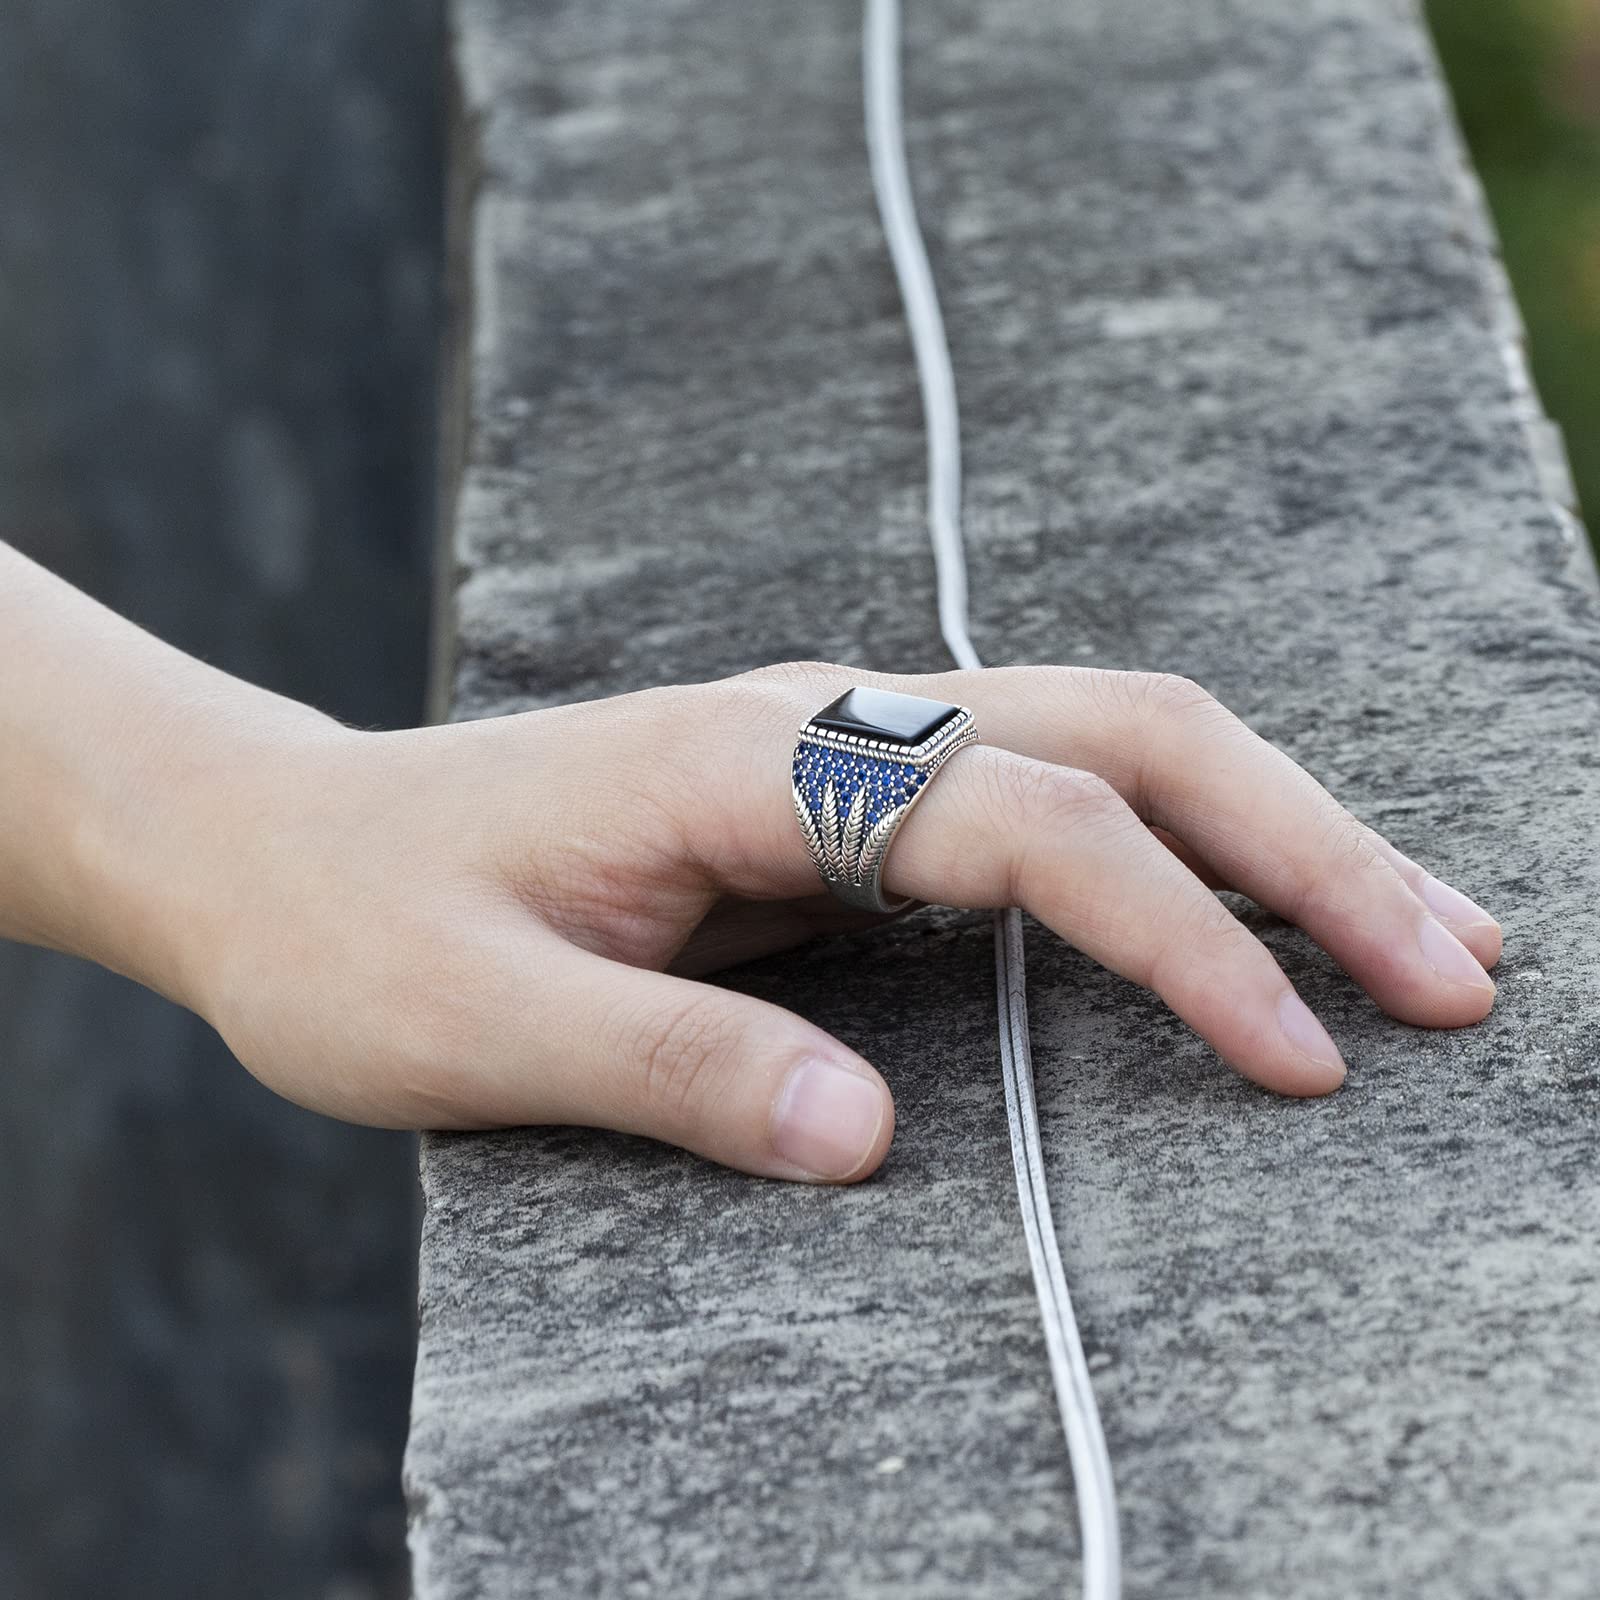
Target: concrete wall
1242, 399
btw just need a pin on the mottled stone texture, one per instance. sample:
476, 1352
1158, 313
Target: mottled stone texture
1242, 400
219, 244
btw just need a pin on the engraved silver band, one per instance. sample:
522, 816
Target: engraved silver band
852, 791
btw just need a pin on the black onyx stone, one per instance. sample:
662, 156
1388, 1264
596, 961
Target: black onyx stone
904, 719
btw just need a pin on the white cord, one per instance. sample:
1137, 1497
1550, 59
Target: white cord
1080, 1418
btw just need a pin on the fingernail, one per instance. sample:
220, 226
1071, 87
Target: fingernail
1451, 904
827, 1118
1306, 1034
1449, 957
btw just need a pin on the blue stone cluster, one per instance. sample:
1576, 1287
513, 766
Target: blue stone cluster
889, 783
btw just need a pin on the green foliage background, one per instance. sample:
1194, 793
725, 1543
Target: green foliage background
1526, 78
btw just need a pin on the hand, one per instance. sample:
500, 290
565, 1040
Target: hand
473, 925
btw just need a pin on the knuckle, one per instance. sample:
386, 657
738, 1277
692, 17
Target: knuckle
1038, 678
681, 1054
1170, 694
795, 674
1410, 873
1031, 801
1335, 874
729, 706
1052, 794
1160, 705
780, 694
1133, 697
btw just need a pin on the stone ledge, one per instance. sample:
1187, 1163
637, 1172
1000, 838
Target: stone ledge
1243, 400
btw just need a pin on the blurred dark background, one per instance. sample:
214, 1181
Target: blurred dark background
219, 258
219, 252
1526, 79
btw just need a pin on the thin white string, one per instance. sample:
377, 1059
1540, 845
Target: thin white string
1080, 1417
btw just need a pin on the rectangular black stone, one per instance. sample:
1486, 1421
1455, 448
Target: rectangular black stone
905, 719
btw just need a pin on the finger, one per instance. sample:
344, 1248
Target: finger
999, 829
1262, 823
1465, 918
722, 1074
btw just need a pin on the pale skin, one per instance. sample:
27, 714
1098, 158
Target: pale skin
507, 922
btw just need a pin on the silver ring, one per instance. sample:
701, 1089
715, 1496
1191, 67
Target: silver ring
860, 765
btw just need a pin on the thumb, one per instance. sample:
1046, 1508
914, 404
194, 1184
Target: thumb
726, 1076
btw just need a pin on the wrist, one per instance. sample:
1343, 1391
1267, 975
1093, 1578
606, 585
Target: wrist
136, 786
170, 826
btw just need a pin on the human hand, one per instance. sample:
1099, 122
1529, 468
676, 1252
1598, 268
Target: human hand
473, 925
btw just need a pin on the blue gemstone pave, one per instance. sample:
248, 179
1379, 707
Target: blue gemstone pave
889, 783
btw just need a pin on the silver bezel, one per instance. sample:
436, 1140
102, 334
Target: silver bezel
960, 730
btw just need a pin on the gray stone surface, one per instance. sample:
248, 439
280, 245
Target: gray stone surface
1243, 400
219, 245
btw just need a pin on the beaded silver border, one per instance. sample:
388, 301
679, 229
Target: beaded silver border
938, 746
